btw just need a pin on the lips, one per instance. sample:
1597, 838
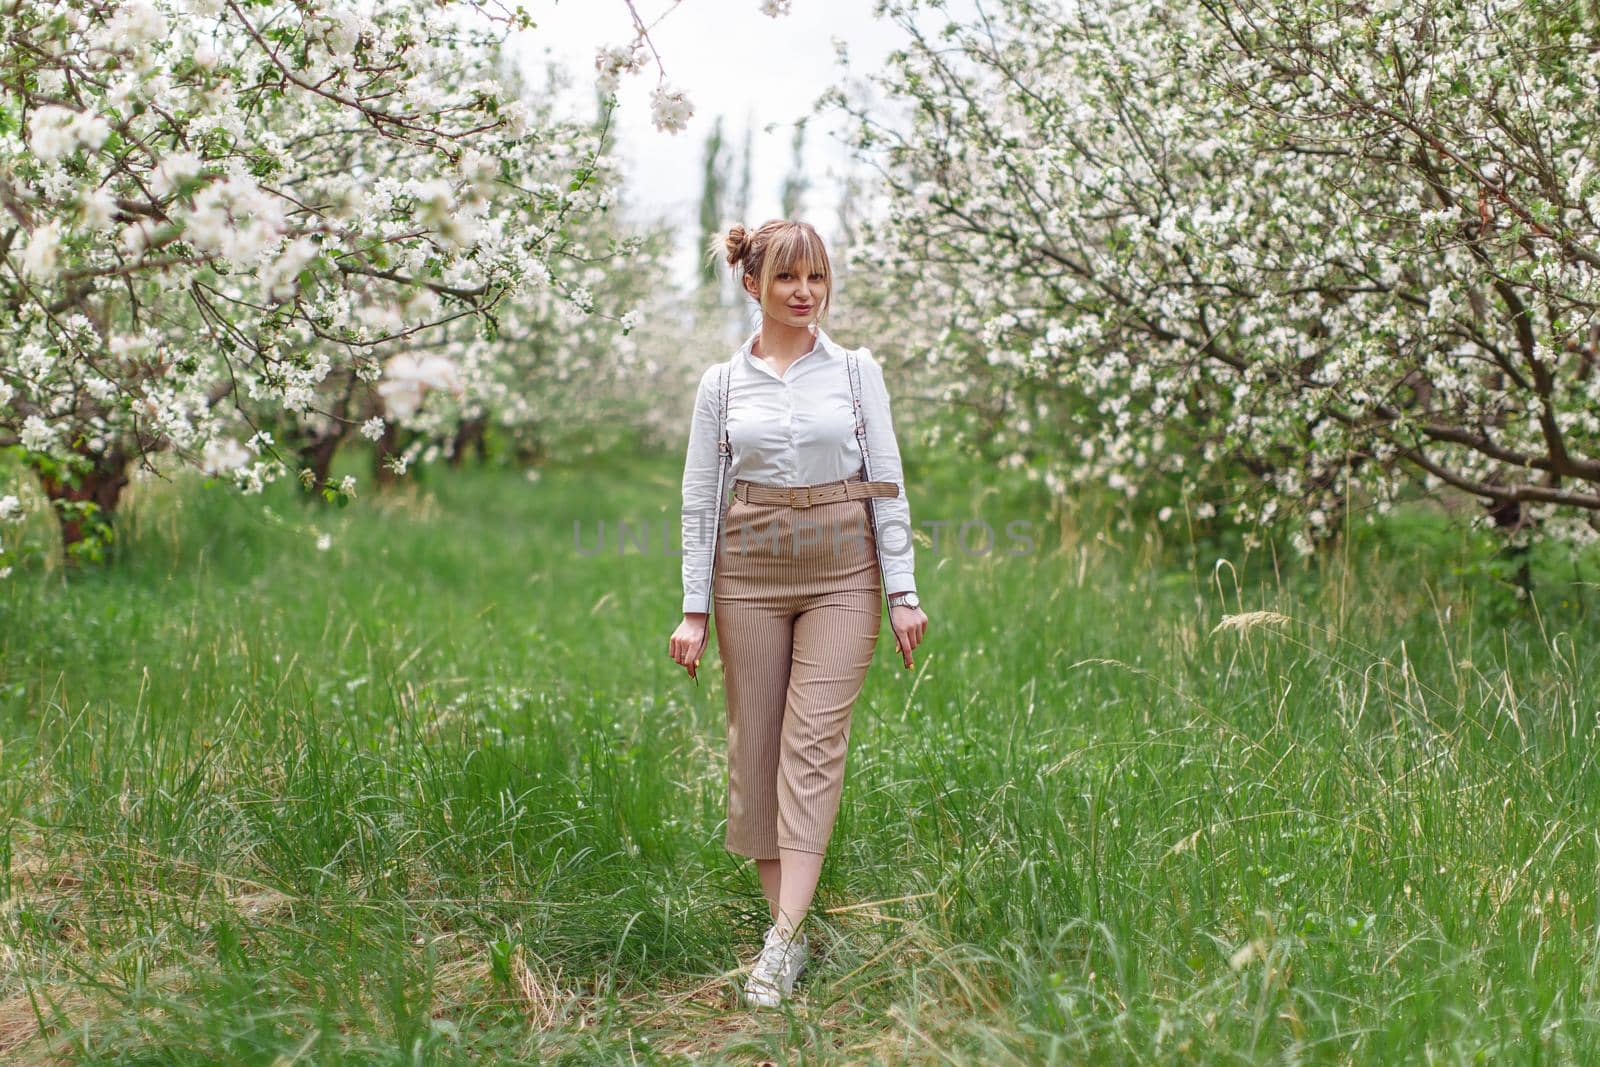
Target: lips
801, 310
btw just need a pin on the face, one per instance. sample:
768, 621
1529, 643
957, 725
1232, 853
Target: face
794, 295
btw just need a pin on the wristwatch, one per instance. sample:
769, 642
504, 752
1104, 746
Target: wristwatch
908, 600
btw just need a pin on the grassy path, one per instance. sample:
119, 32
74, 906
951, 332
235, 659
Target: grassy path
436, 794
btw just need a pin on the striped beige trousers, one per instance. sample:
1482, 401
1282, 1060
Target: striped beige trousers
798, 609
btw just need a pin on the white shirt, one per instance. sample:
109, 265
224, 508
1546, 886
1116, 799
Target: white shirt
797, 428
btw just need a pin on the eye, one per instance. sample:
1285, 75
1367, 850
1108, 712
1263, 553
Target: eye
816, 277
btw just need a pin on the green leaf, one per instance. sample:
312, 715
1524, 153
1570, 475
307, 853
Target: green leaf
500, 961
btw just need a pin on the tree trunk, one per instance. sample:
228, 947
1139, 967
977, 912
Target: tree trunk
530, 451
469, 435
318, 455
1507, 515
100, 485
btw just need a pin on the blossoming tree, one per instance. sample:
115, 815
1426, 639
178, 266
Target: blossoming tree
1264, 256
218, 215
226, 206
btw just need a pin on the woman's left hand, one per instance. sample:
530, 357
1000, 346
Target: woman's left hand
909, 626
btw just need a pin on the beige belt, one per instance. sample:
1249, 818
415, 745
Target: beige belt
804, 496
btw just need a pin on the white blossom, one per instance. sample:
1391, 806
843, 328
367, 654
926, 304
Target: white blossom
173, 169
50, 81
43, 251
34, 361
610, 62
96, 209
223, 454
408, 378
135, 24
37, 435
670, 109
55, 131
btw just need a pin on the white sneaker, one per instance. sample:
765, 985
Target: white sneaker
772, 975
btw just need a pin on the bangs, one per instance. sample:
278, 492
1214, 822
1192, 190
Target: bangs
797, 250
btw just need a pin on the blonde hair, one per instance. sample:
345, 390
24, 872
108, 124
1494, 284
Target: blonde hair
772, 248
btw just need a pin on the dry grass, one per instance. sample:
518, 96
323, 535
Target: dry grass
24, 1037
1246, 621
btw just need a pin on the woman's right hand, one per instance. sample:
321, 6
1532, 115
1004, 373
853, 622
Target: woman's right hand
688, 640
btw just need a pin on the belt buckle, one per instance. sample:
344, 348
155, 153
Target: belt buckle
792, 500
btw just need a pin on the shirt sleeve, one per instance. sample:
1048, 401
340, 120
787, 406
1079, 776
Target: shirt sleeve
700, 505
892, 517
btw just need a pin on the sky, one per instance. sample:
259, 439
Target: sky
732, 61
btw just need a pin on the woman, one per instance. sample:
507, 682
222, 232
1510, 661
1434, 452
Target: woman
796, 559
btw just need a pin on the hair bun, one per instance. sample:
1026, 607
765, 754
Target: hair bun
737, 243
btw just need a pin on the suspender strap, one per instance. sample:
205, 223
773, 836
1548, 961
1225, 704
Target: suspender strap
866, 467
724, 458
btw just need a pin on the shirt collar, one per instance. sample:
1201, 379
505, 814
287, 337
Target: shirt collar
823, 343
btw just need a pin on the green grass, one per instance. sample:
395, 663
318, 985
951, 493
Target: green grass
437, 794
